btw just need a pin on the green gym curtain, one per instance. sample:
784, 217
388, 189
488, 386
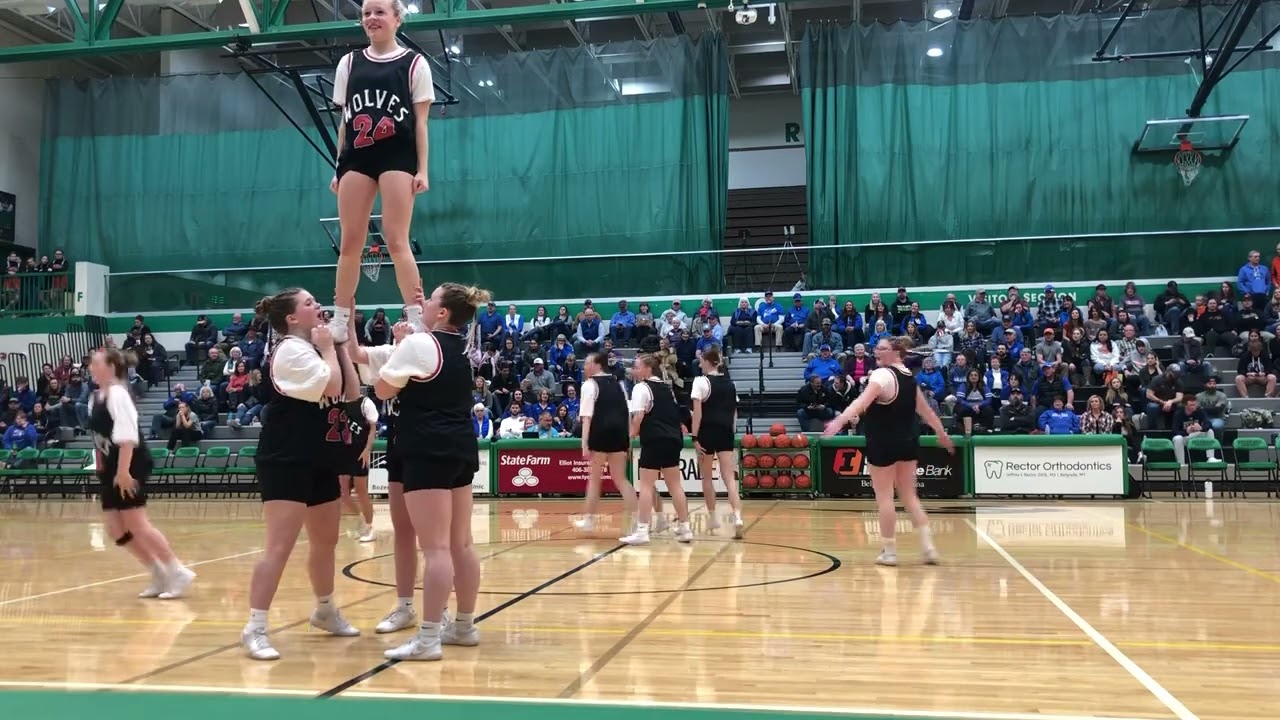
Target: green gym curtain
1013, 132
548, 156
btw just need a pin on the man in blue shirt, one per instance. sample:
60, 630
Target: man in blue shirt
1255, 279
622, 325
768, 320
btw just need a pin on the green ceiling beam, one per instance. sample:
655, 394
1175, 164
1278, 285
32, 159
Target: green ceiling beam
343, 29
275, 18
102, 30
77, 16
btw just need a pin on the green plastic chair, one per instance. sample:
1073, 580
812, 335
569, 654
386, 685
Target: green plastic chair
1206, 468
1252, 469
1152, 446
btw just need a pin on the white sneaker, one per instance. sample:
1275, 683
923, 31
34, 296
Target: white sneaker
457, 633
638, 537
737, 526
178, 584
931, 556
157, 586
419, 648
257, 644
684, 533
332, 622
367, 534
887, 558
402, 618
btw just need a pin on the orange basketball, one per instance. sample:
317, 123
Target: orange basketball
748, 440
800, 461
750, 480
800, 441
767, 481
750, 461
766, 461
782, 461
764, 441
777, 429
781, 441
784, 482
803, 482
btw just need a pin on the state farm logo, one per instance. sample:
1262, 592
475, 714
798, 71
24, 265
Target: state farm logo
525, 478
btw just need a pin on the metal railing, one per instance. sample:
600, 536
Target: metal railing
36, 294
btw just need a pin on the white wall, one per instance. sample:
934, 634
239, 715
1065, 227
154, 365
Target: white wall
766, 142
21, 126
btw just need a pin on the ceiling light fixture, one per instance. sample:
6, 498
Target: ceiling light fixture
942, 13
934, 52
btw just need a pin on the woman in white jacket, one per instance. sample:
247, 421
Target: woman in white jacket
1104, 355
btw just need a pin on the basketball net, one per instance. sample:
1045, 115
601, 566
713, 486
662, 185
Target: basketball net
371, 261
1187, 160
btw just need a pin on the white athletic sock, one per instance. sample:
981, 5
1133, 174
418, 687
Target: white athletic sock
405, 602
429, 629
413, 314
891, 544
172, 566
465, 617
341, 315
926, 537
258, 619
325, 604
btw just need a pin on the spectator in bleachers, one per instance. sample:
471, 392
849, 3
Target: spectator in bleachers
252, 349
980, 313
361, 337
881, 314
571, 373
973, 402
237, 385
823, 366
1164, 396
646, 325
68, 407
1105, 358
812, 402
912, 340
901, 306
1189, 421
1096, 420
378, 328
622, 325
533, 351
490, 322
1094, 324
1133, 304
1271, 313
1022, 320
1050, 385
480, 394
839, 394
539, 379
997, 382
10, 413
1004, 331
825, 335
686, 350
1026, 369
1059, 419
956, 375
1254, 368
547, 427
873, 309
502, 386
1169, 307
1214, 328
570, 403
1015, 417
480, 422
54, 390
951, 318
942, 343
19, 436
563, 421
484, 362
858, 366
514, 423
1116, 394
705, 343
878, 330
164, 420
1215, 405
45, 423
1249, 318
1048, 350
558, 352
1189, 352
542, 404
1227, 298
707, 316
233, 334
587, 337
742, 326
185, 428
538, 328
512, 324
794, 325
1254, 279
517, 398
561, 324
1011, 346
211, 370
46, 375
1102, 302
850, 325
203, 336
509, 353
770, 319
972, 344
1012, 297
1048, 310
229, 369
152, 361
932, 380
674, 319
1125, 343
22, 391
205, 408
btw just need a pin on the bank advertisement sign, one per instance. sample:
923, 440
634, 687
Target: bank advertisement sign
1049, 470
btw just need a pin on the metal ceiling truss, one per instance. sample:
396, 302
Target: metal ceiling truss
94, 32
1215, 64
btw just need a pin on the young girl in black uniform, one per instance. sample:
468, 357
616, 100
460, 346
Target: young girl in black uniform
655, 419
385, 93
405, 546
299, 451
605, 436
715, 418
123, 467
894, 406
431, 375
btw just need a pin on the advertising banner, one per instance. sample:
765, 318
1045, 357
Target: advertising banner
845, 472
552, 469
689, 478
1049, 469
378, 474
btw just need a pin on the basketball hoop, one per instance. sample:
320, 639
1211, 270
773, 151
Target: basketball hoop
371, 261
1187, 160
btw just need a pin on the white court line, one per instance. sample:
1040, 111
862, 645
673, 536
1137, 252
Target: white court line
135, 576
1155, 688
478, 699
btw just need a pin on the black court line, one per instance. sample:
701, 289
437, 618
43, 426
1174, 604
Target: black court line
833, 564
386, 665
232, 646
574, 687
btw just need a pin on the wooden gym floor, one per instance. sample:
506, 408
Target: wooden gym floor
1053, 609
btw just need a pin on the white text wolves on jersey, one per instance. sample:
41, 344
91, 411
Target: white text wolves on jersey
384, 100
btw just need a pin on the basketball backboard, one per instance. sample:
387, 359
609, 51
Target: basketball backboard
1217, 132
